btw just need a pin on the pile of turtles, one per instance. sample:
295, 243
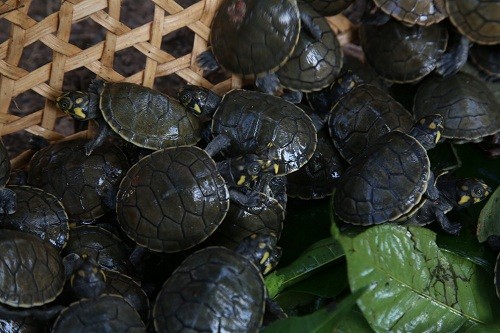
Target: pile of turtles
168, 218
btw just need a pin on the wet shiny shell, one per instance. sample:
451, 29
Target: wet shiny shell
39, 213
107, 313
421, 12
363, 115
242, 221
400, 53
213, 290
32, 270
329, 7
105, 248
146, 117
82, 183
172, 199
317, 178
257, 122
254, 37
385, 182
314, 64
478, 20
469, 109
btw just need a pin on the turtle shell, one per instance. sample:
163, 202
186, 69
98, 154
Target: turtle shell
318, 177
314, 64
4, 165
213, 290
97, 243
256, 122
32, 270
401, 53
329, 7
107, 313
384, 182
421, 12
361, 116
39, 213
478, 20
487, 59
469, 109
172, 199
84, 184
146, 117
254, 37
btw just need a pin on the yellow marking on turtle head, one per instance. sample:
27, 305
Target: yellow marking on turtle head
276, 168
267, 269
81, 273
79, 113
264, 257
79, 100
464, 199
262, 245
352, 84
476, 200
197, 109
432, 126
241, 181
438, 136
465, 188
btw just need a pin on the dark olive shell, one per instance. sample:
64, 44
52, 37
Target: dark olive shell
318, 177
39, 213
4, 165
314, 64
329, 7
421, 12
256, 122
384, 182
105, 248
146, 117
361, 116
400, 53
213, 290
22, 325
86, 185
478, 20
243, 221
107, 313
172, 199
487, 59
32, 270
254, 37
469, 109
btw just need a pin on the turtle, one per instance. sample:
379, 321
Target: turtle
421, 12
361, 116
405, 54
251, 122
486, 58
318, 177
40, 213
176, 197
314, 64
391, 177
479, 20
329, 7
251, 38
469, 109
7, 197
140, 115
85, 184
105, 248
217, 289
33, 273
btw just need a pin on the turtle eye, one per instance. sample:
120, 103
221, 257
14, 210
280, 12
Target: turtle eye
254, 168
478, 192
64, 103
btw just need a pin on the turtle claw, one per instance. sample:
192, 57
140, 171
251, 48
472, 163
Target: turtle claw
206, 61
268, 83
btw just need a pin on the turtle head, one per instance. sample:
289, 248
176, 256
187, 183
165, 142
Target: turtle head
201, 101
427, 130
470, 191
76, 104
88, 279
249, 169
261, 249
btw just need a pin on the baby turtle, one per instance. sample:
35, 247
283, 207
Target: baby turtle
86, 185
329, 7
486, 58
140, 115
250, 122
421, 12
469, 109
7, 196
39, 213
175, 198
391, 177
32, 270
218, 290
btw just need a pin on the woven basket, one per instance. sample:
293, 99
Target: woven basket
26, 72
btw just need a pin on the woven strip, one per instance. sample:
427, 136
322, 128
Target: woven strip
54, 32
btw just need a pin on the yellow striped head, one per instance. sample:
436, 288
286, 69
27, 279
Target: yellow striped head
75, 104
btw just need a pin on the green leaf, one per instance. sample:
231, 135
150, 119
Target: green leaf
326, 283
353, 322
317, 256
321, 321
414, 286
489, 218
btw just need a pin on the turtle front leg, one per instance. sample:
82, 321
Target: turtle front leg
218, 143
206, 60
448, 226
103, 132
